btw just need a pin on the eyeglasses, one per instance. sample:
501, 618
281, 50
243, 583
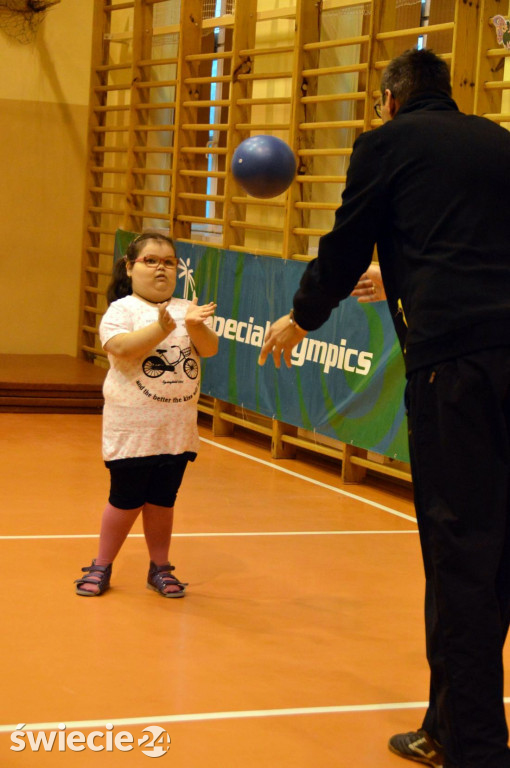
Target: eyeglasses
378, 109
153, 262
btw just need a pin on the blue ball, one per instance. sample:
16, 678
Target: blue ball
264, 166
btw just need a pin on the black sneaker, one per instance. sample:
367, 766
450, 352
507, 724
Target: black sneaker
417, 746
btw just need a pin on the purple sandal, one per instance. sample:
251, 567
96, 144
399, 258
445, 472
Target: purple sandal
102, 583
160, 577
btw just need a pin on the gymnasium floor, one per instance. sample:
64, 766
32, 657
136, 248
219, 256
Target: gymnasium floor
299, 644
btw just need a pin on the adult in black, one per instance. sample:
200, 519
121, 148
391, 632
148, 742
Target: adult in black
430, 188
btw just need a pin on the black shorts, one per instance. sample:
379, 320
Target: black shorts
149, 479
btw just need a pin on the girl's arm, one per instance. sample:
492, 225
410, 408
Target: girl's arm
143, 340
203, 338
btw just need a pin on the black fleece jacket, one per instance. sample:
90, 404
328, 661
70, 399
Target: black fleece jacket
430, 189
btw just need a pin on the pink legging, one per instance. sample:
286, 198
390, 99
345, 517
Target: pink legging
116, 524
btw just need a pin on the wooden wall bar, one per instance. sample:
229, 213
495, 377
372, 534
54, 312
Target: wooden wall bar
174, 90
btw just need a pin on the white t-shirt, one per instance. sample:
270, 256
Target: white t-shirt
151, 400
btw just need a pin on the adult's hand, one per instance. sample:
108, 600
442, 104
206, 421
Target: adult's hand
369, 287
282, 337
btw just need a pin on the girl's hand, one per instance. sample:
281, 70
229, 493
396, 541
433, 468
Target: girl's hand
370, 286
165, 319
196, 315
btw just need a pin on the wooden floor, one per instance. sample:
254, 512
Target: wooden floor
299, 644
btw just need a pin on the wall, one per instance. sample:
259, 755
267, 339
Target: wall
44, 93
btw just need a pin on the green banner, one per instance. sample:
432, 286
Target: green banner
347, 378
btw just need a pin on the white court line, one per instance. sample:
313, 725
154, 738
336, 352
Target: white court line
205, 716
207, 535
310, 480
261, 533
236, 715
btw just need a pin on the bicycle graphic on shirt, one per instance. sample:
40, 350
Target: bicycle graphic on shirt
156, 366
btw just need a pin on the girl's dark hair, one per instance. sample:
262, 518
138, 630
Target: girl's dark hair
416, 71
120, 284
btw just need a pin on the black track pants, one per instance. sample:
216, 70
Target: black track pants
459, 433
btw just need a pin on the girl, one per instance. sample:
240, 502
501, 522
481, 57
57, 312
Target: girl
151, 392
